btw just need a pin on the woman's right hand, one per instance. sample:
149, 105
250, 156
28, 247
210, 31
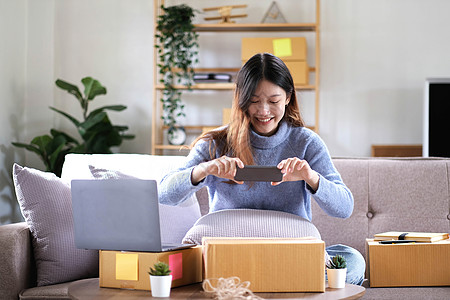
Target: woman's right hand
223, 167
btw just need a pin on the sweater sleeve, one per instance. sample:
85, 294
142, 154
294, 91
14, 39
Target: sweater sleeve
176, 186
333, 196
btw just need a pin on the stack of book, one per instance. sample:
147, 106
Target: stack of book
423, 237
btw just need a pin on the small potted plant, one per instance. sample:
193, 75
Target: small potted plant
336, 272
160, 279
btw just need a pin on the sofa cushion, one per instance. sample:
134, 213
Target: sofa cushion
58, 291
175, 220
45, 203
250, 223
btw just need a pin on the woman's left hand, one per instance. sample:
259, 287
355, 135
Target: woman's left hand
295, 169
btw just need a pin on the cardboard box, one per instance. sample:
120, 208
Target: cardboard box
129, 270
288, 49
292, 50
411, 264
269, 264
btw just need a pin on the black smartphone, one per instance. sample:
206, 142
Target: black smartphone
258, 173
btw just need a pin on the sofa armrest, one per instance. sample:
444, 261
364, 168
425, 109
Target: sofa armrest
17, 270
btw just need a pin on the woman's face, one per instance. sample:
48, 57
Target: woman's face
267, 107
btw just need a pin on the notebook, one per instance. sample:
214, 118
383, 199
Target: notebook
415, 236
118, 214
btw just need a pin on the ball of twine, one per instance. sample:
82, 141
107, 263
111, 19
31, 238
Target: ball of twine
229, 288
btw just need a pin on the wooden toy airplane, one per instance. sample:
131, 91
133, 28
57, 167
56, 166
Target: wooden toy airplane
225, 13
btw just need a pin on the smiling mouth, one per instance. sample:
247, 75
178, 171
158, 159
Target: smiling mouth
265, 120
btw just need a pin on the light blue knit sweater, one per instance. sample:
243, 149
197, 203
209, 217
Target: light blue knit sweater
292, 197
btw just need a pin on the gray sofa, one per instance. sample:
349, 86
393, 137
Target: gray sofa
401, 194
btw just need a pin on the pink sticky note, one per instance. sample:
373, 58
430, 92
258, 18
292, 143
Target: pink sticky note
176, 265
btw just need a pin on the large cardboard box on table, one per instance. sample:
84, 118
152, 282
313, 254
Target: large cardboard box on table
292, 50
269, 264
119, 269
409, 264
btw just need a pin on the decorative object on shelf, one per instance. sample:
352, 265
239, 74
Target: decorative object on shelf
273, 15
178, 136
225, 13
96, 130
336, 272
160, 280
177, 50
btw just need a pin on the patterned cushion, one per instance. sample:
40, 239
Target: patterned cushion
250, 223
45, 203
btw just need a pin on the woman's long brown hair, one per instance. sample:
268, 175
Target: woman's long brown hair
234, 139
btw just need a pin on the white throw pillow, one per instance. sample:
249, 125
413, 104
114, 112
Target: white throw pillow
45, 203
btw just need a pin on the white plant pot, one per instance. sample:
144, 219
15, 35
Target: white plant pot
336, 278
160, 285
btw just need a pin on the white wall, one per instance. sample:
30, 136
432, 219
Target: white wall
112, 41
375, 58
12, 99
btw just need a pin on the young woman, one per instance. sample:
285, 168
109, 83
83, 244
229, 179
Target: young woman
266, 129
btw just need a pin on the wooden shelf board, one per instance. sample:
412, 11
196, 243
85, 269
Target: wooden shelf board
194, 127
171, 147
203, 86
240, 27
223, 86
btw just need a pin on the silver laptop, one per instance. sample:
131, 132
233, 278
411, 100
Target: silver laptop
118, 214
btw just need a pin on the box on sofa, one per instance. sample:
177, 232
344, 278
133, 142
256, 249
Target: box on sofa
411, 264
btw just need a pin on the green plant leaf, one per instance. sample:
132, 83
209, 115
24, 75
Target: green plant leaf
42, 142
109, 107
68, 138
72, 119
128, 136
70, 88
55, 155
92, 88
94, 120
29, 147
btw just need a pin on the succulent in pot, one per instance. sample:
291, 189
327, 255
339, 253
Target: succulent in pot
160, 279
337, 272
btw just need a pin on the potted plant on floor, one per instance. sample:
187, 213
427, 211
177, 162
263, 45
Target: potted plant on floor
177, 52
336, 272
160, 280
97, 132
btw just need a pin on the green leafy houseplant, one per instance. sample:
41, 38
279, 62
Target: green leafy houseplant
96, 130
177, 51
160, 269
337, 262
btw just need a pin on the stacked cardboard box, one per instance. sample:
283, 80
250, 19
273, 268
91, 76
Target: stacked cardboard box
269, 264
128, 270
409, 264
291, 50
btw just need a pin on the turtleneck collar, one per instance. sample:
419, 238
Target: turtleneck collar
267, 142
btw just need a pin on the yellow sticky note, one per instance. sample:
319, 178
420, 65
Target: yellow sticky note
282, 47
127, 266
